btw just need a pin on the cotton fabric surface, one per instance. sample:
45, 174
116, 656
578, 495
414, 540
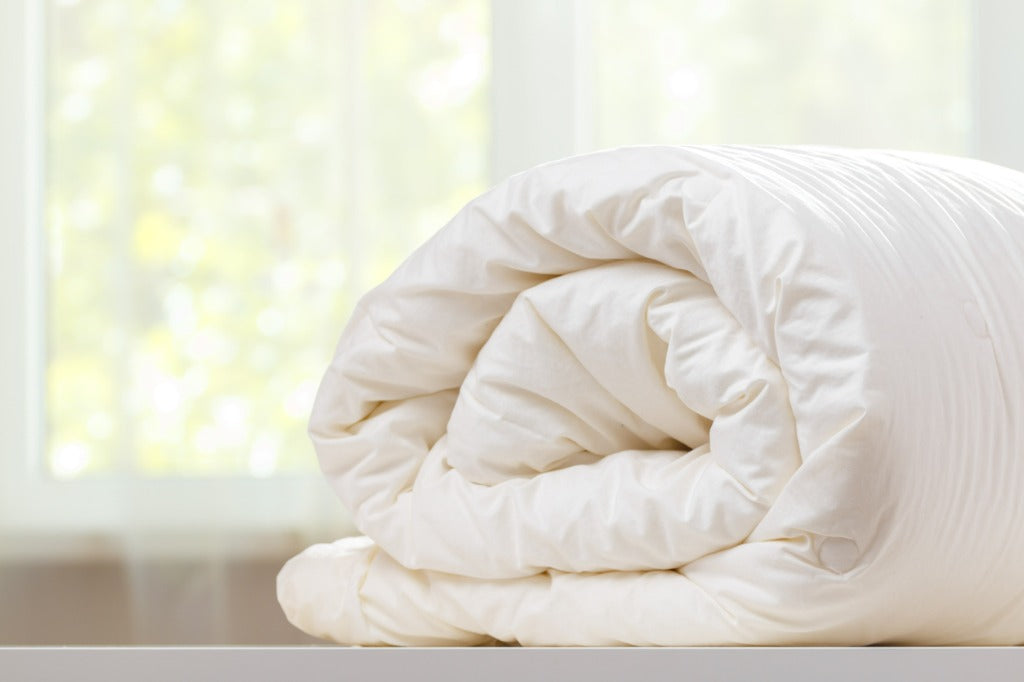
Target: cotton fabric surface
687, 396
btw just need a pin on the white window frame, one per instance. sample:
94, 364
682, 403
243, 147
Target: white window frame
539, 83
998, 82
89, 514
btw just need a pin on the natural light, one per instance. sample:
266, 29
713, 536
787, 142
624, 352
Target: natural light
218, 194
200, 196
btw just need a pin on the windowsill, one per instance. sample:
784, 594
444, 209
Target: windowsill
192, 545
167, 518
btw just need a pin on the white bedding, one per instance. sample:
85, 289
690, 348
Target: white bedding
687, 396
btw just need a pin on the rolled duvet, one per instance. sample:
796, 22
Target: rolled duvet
687, 396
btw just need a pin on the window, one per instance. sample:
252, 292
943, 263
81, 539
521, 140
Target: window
847, 72
196, 193
217, 196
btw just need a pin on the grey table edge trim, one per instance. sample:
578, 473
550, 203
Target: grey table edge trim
255, 664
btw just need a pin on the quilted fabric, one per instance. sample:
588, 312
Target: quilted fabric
687, 396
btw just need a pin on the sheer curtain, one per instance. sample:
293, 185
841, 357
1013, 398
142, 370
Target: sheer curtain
216, 183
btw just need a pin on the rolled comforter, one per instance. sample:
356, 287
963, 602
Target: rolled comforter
687, 396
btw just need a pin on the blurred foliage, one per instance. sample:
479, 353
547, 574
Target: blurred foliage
225, 179
876, 73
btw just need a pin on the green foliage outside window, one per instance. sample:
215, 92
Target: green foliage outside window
225, 179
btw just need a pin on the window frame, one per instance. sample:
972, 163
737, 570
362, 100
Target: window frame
997, 75
88, 513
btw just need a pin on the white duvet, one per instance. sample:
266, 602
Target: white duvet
687, 396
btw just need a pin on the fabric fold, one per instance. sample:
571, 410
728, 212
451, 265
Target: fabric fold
687, 396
